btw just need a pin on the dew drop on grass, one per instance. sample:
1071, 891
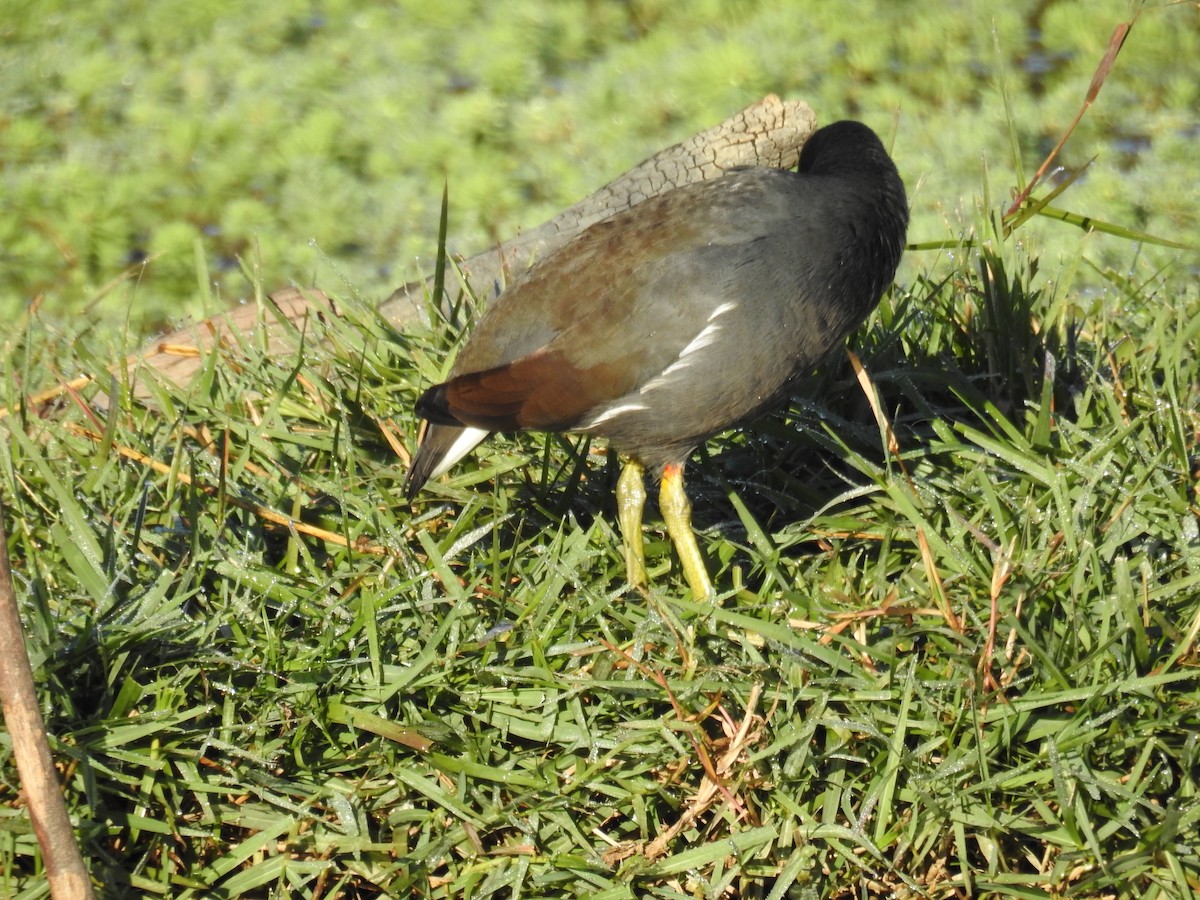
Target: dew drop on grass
1191, 529
345, 812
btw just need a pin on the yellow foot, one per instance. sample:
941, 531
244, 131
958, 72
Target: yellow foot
631, 499
677, 513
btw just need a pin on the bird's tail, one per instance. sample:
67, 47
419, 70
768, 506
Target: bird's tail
441, 447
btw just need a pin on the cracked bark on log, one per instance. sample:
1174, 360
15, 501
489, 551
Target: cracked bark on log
767, 133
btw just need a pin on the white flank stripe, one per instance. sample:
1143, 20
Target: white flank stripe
706, 336
463, 444
615, 411
722, 309
703, 339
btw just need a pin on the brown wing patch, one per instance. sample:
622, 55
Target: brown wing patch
540, 392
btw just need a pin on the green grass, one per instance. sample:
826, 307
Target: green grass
955, 653
469, 703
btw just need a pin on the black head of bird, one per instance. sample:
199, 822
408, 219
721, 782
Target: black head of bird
677, 319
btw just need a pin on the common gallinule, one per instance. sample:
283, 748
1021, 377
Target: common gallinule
677, 319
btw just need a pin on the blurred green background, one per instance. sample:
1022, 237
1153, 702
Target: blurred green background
308, 143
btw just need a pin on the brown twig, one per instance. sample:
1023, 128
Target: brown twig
67, 874
1120, 33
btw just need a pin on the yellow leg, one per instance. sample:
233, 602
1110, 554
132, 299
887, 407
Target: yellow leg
631, 499
677, 513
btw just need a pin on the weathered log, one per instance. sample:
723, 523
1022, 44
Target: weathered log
768, 133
